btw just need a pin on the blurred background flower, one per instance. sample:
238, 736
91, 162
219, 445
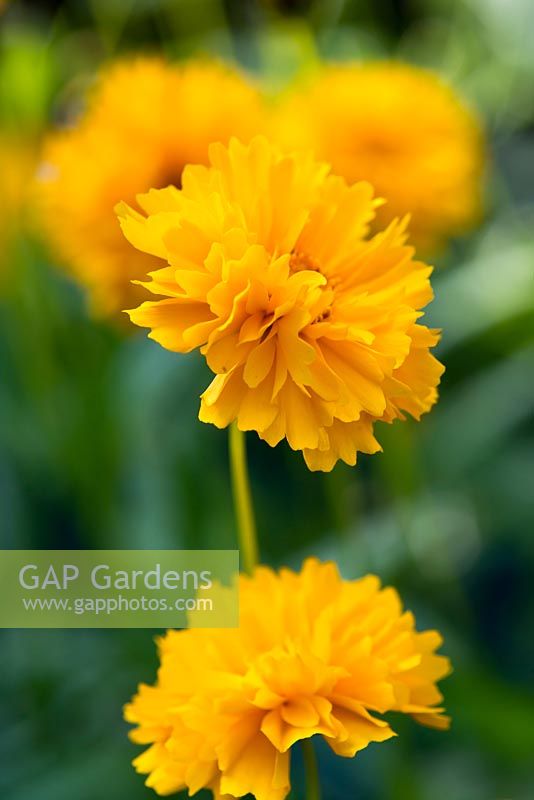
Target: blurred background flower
400, 128
145, 121
99, 444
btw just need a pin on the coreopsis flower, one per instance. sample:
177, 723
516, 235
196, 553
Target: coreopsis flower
310, 326
144, 121
399, 127
314, 655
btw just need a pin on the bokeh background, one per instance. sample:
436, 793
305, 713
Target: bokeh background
100, 446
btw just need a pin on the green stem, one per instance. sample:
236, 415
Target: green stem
313, 787
248, 542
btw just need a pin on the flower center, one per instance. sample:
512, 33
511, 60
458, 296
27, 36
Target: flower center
380, 145
168, 176
322, 305
299, 261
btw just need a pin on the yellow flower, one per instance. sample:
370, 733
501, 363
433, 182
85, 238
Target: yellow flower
402, 129
145, 120
310, 326
314, 655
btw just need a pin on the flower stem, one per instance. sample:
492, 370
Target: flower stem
248, 542
313, 787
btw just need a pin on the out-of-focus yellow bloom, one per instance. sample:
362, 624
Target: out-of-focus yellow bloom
402, 129
310, 326
314, 655
145, 120
17, 166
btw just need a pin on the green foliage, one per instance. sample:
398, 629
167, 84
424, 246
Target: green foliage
100, 445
